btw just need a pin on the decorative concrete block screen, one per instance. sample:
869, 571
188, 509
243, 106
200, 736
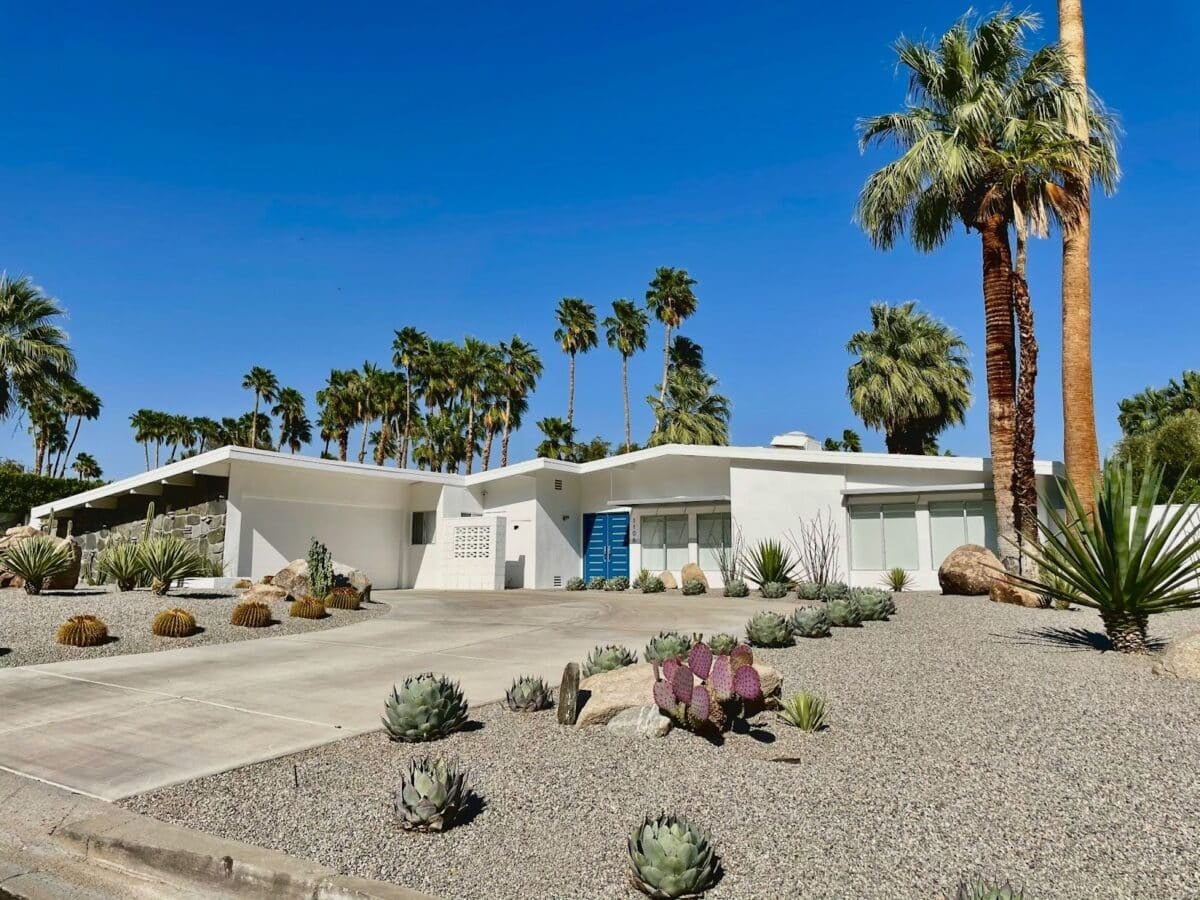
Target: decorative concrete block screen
474, 553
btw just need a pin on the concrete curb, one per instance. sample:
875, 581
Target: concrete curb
194, 861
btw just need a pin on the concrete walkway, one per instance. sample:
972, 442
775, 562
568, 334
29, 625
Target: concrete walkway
116, 726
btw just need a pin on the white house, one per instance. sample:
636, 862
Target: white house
539, 523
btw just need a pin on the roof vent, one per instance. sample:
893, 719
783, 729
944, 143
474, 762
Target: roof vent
795, 440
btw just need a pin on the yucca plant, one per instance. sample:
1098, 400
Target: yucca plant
36, 559
1118, 561
897, 579
804, 711
121, 562
769, 561
166, 558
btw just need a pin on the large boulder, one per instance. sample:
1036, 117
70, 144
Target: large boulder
63, 581
693, 572
263, 593
293, 578
1182, 658
608, 694
668, 580
970, 570
1003, 590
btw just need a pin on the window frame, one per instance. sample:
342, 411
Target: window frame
726, 520
665, 547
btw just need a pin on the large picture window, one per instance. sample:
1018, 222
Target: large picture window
954, 523
714, 534
883, 537
664, 543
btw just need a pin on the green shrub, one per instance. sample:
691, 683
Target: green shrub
670, 857
804, 711
653, 585
167, 558
606, 659
898, 579
737, 589
642, 577
694, 586
667, 645
620, 583
882, 602
774, 590
769, 561
426, 707
37, 559
595, 583
576, 584
21, 491
769, 629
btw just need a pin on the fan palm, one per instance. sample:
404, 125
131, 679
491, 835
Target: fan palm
295, 429
208, 432
409, 351
671, 299
33, 349
576, 333
78, 403
265, 386
559, 439
692, 412
522, 369
339, 409
625, 330
86, 468
476, 364
911, 378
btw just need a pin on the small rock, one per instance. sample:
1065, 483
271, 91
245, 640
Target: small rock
1182, 659
568, 695
969, 570
263, 593
693, 572
668, 580
640, 722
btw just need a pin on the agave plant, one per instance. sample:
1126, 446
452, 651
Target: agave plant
432, 794
804, 711
810, 622
769, 561
722, 644
121, 562
669, 857
769, 629
874, 608
37, 559
426, 707
830, 590
981, 889
844, 613
774, 590
667, 645
737, 588
605, 659
1120, 561
527, 694
166, 558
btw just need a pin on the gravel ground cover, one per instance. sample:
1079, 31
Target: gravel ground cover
965, 738
28, 624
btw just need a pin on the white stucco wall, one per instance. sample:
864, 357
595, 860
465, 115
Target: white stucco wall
516, 500
558, 528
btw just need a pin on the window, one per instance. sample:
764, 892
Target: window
883, 537
954, 523
424, 527
664, 543
714, 532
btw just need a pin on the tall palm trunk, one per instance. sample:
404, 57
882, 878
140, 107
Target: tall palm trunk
505, 434
407, 423
470, 437
487, 447
625, 392
253, 425
39, 450
362, 447
1080, 449
343, 444
1000, 363
1024, 477
662, 391
385, 435
146, 448
571, 392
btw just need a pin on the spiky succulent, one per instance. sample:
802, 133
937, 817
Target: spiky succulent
981, 889
669, 857
251, 614
527, 694
576, 584
769, 629
174, 623
620, 583
723, 644
653, 585
121, 562
667, 645
343, 596
873, 606
694, 586
737, 588
37, 559
844, 613
774, 590
426, 707
82, 631
605, 659
596, 583
307, 608
804, 711
432, 794
167, 558
830, 590
810, 622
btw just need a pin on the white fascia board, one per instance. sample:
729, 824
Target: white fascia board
314, 464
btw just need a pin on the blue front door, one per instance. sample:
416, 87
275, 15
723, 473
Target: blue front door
605, 545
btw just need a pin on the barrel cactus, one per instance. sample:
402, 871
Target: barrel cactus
174, 623
82, 631
670, 857
426, 707
343, 596
737, 588
251, 614
774, 590
307, 608
723, 644
527, 694
432, 794
605, 659
769, 629
844, 613
667, 645
810, 622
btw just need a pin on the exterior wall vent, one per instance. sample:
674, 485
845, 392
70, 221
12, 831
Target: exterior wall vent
558, 484
558, 581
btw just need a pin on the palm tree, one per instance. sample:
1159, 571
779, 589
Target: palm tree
45, 425
576, 333
410, 348
178, 431
390, 398
965, 95
339, 409
692, 413
671, 299
33, 349
295, 429
208, 432
265, 386
911, 379
522, 369
365, 389
149, 426
476, 361
79, 403
850, 442
559, 439
86, 468
625, 330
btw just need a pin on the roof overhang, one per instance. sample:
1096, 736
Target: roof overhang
687, 500
974, 487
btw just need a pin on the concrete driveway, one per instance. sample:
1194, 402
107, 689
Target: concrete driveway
117, 726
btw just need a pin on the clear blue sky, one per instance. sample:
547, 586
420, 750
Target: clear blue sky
212, 187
